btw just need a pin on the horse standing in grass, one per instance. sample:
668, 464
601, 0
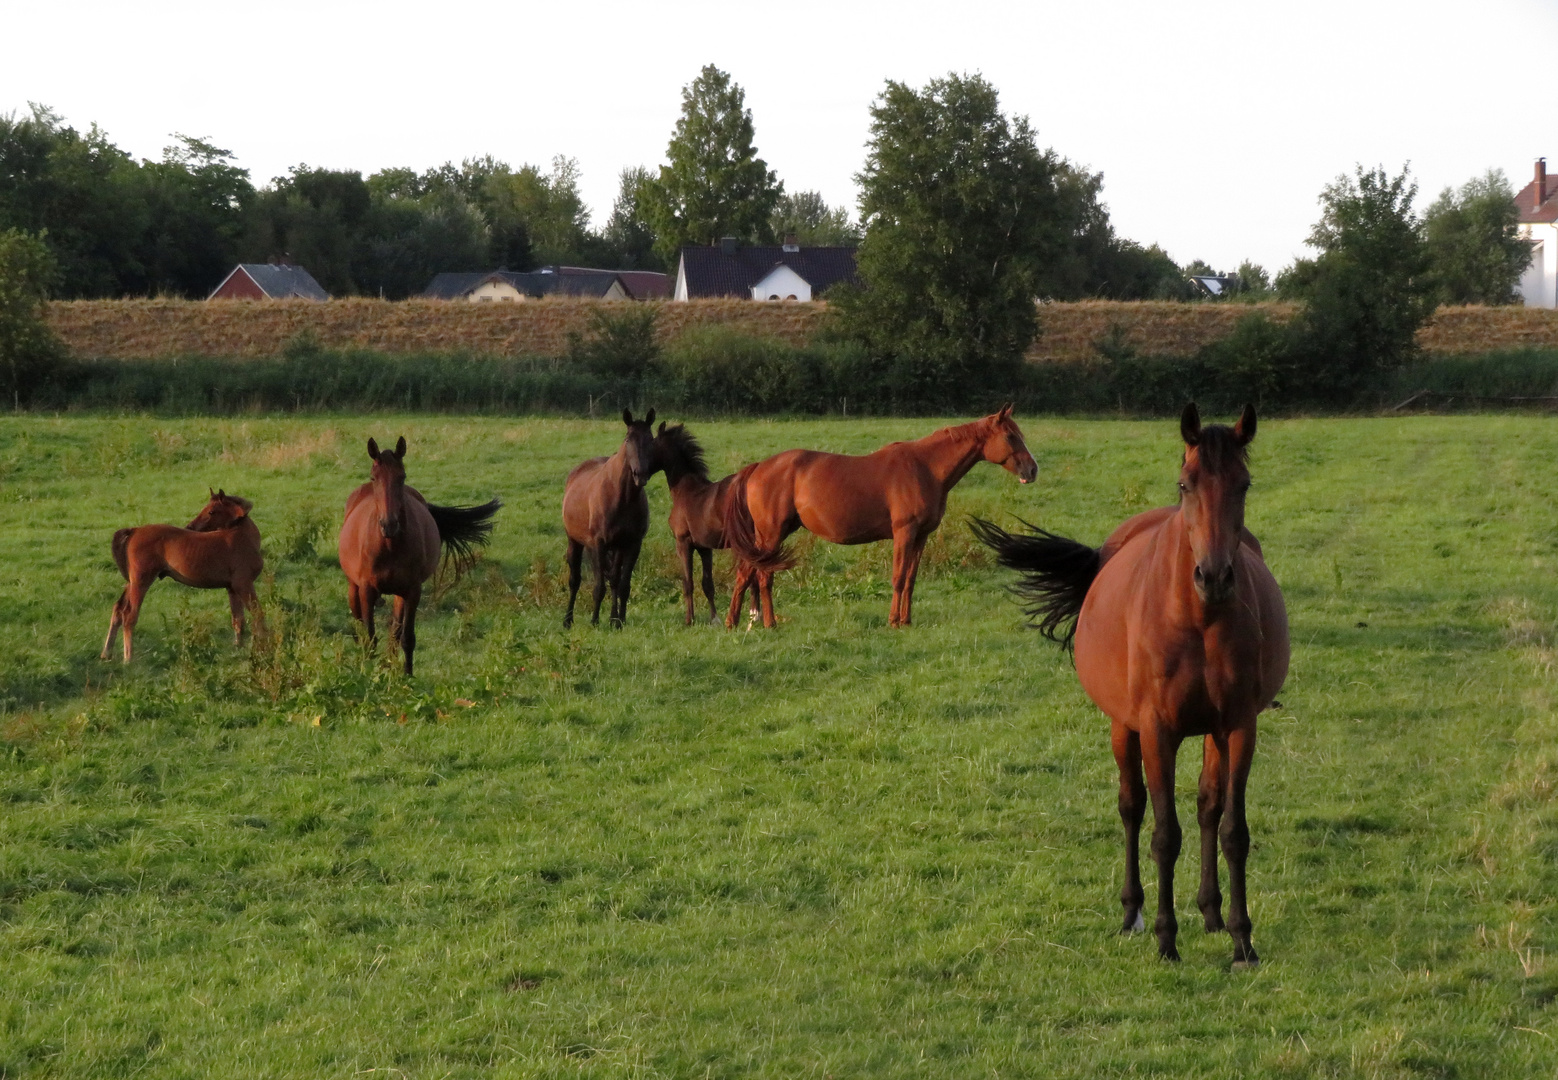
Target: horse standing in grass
697, 509
391, 541
606, 515
1179, 630
219, 549
898, 493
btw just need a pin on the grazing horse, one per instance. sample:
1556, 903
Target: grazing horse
697, 509
898, 493
606, 515
391, 539
1179, 630
220, 549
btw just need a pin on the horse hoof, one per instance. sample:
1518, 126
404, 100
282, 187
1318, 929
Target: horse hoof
1170, 955
1245, 965
1136, 927
1214, 924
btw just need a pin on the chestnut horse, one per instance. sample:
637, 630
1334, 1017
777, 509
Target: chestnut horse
606, 515
391, 542
1179, 630
220, 549
897, 493
697, 509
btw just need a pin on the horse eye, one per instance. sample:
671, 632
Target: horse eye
1183, 487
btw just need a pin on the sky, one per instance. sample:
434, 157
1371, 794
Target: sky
1215, 125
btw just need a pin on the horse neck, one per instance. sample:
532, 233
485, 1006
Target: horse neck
617, 475
951, 452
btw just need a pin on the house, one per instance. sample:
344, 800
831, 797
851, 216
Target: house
1213, 286
512, 287
1537, 204
785, 272
268, 281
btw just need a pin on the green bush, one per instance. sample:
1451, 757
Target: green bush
28, 348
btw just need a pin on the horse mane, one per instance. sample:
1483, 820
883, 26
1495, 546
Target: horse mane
683, 452
1218, 447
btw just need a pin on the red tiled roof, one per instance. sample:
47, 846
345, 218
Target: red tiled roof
1526, 201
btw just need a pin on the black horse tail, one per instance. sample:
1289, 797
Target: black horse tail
1056, 574
463, 529
122, 551
741, 533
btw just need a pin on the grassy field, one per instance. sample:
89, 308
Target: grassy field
832, 850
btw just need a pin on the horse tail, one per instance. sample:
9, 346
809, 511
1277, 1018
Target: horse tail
741, 533
1056, 574
122, 551
463, 529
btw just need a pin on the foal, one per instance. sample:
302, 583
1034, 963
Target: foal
1179, 631
697, 509
220, 549
606, 514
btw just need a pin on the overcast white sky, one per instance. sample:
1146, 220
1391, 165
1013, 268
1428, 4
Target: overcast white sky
1215, 124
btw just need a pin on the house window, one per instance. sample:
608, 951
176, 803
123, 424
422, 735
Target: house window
775, 296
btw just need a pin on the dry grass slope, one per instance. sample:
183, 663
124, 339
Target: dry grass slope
151, 329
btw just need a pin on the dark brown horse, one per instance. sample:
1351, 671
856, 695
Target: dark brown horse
697, 509
1179, 631
220, 549
391, 541
606, 516
898, 493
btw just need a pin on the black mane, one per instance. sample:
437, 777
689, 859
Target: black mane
1219, 447
681, 453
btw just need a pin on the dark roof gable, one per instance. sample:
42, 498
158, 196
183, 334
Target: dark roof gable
280, 282
711, 271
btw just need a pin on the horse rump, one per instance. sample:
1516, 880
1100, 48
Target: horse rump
121, 547
741, 533
1056, 574
463, 529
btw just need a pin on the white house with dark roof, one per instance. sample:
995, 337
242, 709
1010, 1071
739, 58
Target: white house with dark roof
268, 281
757, 272
508, 286
1538, 206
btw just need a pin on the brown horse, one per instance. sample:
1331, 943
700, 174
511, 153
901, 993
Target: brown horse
606, 515
391, 541
220, 549
1179, 630
697, 509
898, 493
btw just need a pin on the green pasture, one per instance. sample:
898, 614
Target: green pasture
830, 850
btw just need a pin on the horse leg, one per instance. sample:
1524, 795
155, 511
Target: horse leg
1209, 814
134, 594
707, 555
406, 624
574, 557
765, 590
738, 593
911, 558
113, 622
1133, 807
235, 606
601, 555
684, 555
622, 582
368, 600
1235, 834
1158, 753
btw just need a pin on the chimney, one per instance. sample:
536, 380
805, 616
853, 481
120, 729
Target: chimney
1541, 181
727, 245
791, 243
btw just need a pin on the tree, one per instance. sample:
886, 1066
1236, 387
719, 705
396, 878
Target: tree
628, 238
1474, 244
27, 346
714, 185
316, 217
807, 217
962, 210
1367, 291
195, 200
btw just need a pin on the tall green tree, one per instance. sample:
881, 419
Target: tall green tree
628, 238
1474, 246
1368, 290
714, 184
28, 347
962, 211
195, 202
807, 216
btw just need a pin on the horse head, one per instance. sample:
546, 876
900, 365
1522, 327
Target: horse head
222, 512
639, 447
389, 486
1004, 446
1213, 482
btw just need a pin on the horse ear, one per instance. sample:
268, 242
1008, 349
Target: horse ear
210, 492
662, 427
1190, 425
1006, 410
400, 447
373, 448
650, 419
627, 417
221, 493
1244, 429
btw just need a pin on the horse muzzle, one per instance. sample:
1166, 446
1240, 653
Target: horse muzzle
389, 529
1214, 584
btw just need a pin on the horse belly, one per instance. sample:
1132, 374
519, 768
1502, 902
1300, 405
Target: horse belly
838, 507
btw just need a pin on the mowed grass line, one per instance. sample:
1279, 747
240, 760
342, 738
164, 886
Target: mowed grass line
830, 850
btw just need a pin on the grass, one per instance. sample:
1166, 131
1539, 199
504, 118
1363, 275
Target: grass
833, 850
